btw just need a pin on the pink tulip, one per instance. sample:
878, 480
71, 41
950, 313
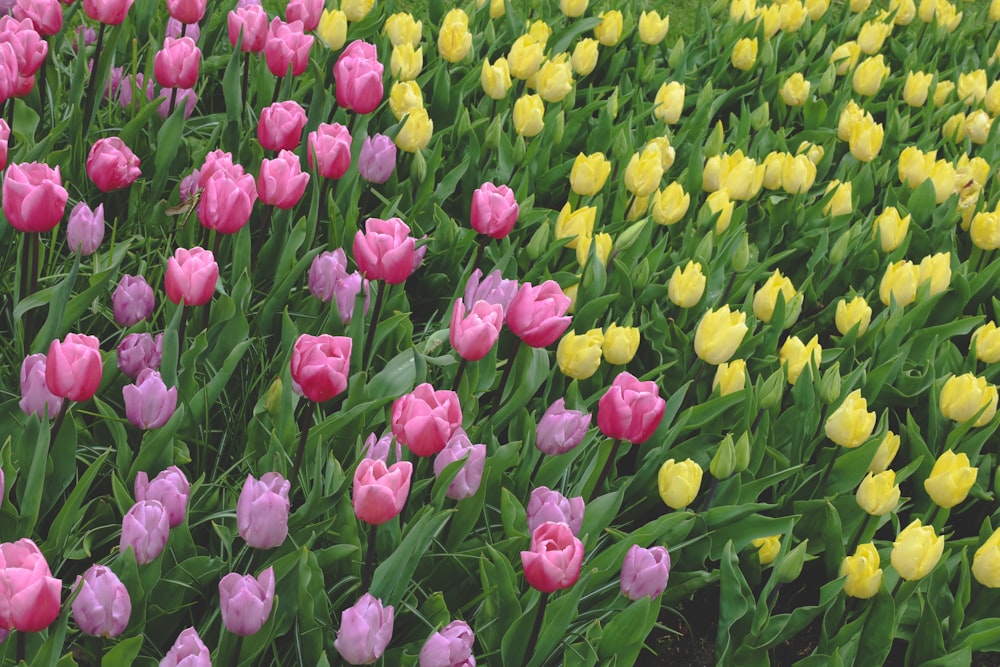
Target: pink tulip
246, 601
494, 210
385, 251
132, 301
111, 165
85, 229
188, 185
188, 651
321, 365
191, 276
177, 28
365, 631
474, 334
470, 476
561, 430
451, 646
29, 47
425, 420
34, 199
287, 46
73, 367
493, 289
330, 150
36, 399
141, 84
9, 76
170, 488
185, 99
187, 11
227, 200
280, 126
307, 11
215, 161
4, 139
139, 351
85, 36
377, 159
252, 21
176, 65
103, 607
29, 594
379, 448
328, 278
630, 410
148, 402
554, 559
262, 511
109, 12
281, 182
358, 77
645, 572
145, 528
537, 315
546, 505
379, 492
45, 15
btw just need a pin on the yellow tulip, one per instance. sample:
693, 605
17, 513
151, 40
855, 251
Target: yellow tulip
529, 115
602, 248
589, 173
987, 341
899, 283
554, 79
878, 494
579, 356
869, 75
798, 356
495, 78
573, 8
936, 269
720, 204
891, 228
795, 90
885, 453
679, 482
730, 377
915, 89
978, 125
356, 10
866, 140
906, 11
666, 151
773, 165
916, 551
845, 57
541, 31
943, 174
793, 16
719, 334
620, 344
853, 312
985, 230
797, 174
954, 128
986, 561
525, 57
766, 298
575, 224
406, 61
669, 102
405, 97
851, 423
742, 10
332, 28
768, 548
652, 28
584, 58
454, 41
841, 203
817, 8
416, 131
873, 34
962, 396
863, 572
744, 54
942, 91
950, 479
609, 30
972, 86
402, 28
670, 204
643, 173
686, 285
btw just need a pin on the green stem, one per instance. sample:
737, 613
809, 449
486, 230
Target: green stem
92, 85
246, 78
370, 335
22, 645
59, 421
305, 422
537, 628
608, 465
368, 569
503, 378
458, 374
239, 648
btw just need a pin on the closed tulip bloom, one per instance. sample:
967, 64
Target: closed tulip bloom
943, 174
864, 576
252, 21
985, 230
108, 12
525, 57
730, 377
986, 561
987, 342
766, 298
377, 159
620, 344
45, 15
744, 55
916, 551
262, 511
793, 16
768, 548
537, 314
643, 173
579, 356
652, 28
328, 278
227, 200
936, 270
425, 419
885, 453
851, 424
187, 11
287, 47
972, 86
85, 229
992, 99
955, 128
494, 210
951, 479
406, 61
915, 166
548, 505
358, 76
561, 430
132, 301
402, 28
679, 483
645, 572
670, 204
719, 334
102, 607
891, 228
470, 475
320, 365
589, 173
474, 334
529, 112
170, 488
281, 182
798, 356
798, 173
148, 402
878, 494
454, 41
554, 79
492, 289
111, 165
365, 631
332, 28
869, 75
872, 35
416, 131
329, 150
899, 283
36, 399
29, 594
573, 8
609, 31
866, 140
906, 11
191, 276
853, 312
584, 58
495, 78
245, 601
145, 528
34, 199
977, 126
306, 11
449, 647
280, 126
942, 91
188, 651
721, 206
962, 396
139, 351
669, 102
176, 65
916, 88
554, 559
385, 251
666, 151
630, 410
795, 90
575, 225
73, 367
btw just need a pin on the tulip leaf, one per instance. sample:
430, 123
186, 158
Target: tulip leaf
68, 518
879, 629
736, 601
124, 653
34, 486
392, 577
624, 635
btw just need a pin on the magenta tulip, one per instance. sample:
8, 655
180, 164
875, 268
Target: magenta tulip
560, 430
102, 607
280, 126
475, 333
262, 511
470, 476
645, 572
246, 601
425, 420
176, 65
45, 15
29, 47
547, 505
139, 351
85, 228
4, 139
73, 367
109, 12
111, 165
34, 199
365, 631
132, 301
36, 399
307, 11
379, 492
218, 160
451, 646
377, 159
494, 210
282, 182
9, 75
385, 251
29, 594
321, 365
358, 77
227, 200
188, 651
329, 150
145, 529
148, 402
252, 21
191, 276
537, 315
287, 46
187, 11
554, 559
170, 488
630, 410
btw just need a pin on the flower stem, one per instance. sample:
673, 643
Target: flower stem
537, 628
458, 374
503, 378
608, 465
22, 645
239, 648
370, 336
305, 422
368, 569
88, 107
246, 79
59, 421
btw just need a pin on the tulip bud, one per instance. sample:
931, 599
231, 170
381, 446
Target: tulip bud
950, 479
719, 334
916, 551
645, 572
554, 559
864, 576
547, 505
829, 385
145, 528
878, 494
470, 475
851, 424
768, 548
620, 344
679, 482
262, 511
741, 453
885, 453
723, 462
772, 390
170, 488
790, 566
188, 651
986, 561
148, 402
85, 229
449, 647
560, 430
986, 340
36, 399
964, 396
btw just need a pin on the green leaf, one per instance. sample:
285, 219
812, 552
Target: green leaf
624, 636
34, 485
168, 140
124, 653
392, 577
879, 629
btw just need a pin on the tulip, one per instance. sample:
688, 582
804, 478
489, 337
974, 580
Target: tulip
766, 298
34, 199
866, 140
281, 182
454, 39
987, 343
252, 22
328, 278
132, 301
950, 479
287, 47
851, 424
678, 483
560, 430
541, 31
686, 285
609, 31
915, 166
721, 206
798, 174
73, 367
986, 562
493, 290
46, 16
845, 57
670, 204
215, 161
377, 159
29, 594
916, 551
529, 115
495, 78
470, 475
280, 126
145, 529
955, 128
139, 351
575, 225
405, 97
330, 147
793, 16
891, 228
4, 138
148, 402
620, 344
864, 576
356, 10
916, 88
554, 79
885, 453
643, 173
580, 356
936, 270
869, 75
358, 77
730, 377
768, 548
108, 12
573, 8
191, 276
798, 356
332, 28
537, 314
365, 631
36, 399
449, 647
645, 572
878, 494
320, 365
652, 28
964, 396
554, 558
306, 11
795, 90
525, 57
584, 58
227, 199
474, 334
385, 251
853, 312
669, 102
176, 64
262, 511
548, 505
378, 448
719, 334
977, 126
984, 230
494, 210
899, 283
188, 651
185, 97
943, 174
170, 488
402, 28
770, 17
246, 601
416, 131
630, 410
85, 229
426, 419
102, 607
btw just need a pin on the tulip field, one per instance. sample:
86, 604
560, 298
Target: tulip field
501, 332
